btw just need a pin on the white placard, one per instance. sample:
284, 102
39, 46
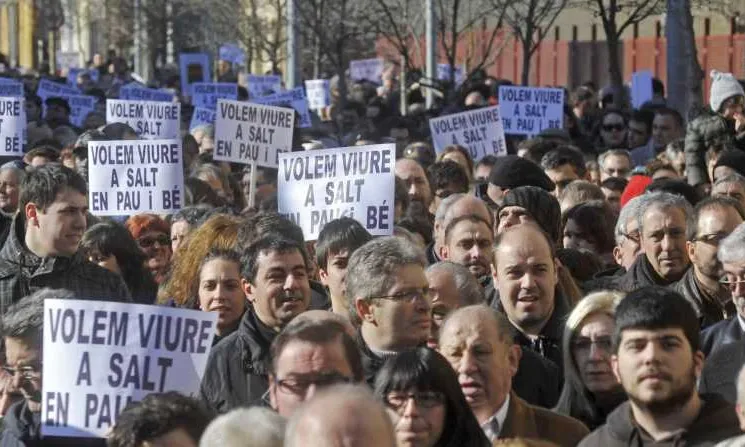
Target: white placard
12, 126
259, 86
366, 69
293, 99
128, 177
206, 94
529, 110
201, 116
641, 88
317, 187
98, 356
252, 133
151, 120
479, 131
318, 93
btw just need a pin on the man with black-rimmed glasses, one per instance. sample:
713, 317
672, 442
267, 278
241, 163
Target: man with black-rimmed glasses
389, 293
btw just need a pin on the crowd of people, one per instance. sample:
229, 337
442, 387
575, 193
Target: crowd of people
586, 289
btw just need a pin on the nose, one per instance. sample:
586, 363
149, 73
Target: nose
527, 281
310, 392
475, 252
596, 352
411, 408
467, 363
290, 282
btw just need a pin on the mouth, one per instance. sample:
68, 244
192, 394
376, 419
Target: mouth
432, 343
221, 309
527, 299
654, 377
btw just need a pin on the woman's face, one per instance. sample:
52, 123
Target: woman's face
179, 230
591, 349
613, 131
9, 191
108, 262
220, 291
577, 238
418, 417
157, 247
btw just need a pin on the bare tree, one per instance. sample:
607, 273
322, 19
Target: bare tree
530, 20
399, 23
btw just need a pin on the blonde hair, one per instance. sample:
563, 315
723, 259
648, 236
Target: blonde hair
574, 399
218, 232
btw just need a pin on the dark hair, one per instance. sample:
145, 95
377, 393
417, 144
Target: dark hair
423, 369
269, 242
656, 307
644, 116
597, 220
197, 192
583, 265
673, 186
415, 221
487, 160
443, 173
45, 151
614, 183
671, 112
193, 215
658, 88
156, 415
113, 239
42, 185
563, 155
220, 253
318, 332
475, 218
536, 148
339, 235
264, 224
711, 203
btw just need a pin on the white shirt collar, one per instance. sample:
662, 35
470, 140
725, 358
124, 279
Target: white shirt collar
500, 417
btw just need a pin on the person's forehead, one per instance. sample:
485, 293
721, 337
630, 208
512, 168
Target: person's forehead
657, 214
408, 168
69, 196
530, 247
729, 187
276, 259
469, 228
664, 120
718, 216
220, 267
616, 158
440, 279
651, 334
736, 267
408, 275
637, 124
612, 118
513, 209
300, 356
468, 328
468, 205
18, 349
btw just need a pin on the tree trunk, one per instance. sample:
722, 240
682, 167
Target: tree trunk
695, 73
525, 78
620, 98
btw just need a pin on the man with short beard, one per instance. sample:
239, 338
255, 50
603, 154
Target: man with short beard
657, 361
468, 241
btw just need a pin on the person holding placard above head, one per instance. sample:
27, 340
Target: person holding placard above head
275, 280
42, 249
220, 290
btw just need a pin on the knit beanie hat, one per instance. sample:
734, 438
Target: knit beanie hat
732, 158
512, 171
723, 87
540, 204
637, 185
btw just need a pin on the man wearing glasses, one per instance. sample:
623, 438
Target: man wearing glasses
731, 254
713, 220
388, 291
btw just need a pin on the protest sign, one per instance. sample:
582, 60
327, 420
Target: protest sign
206, 94
293, 99
479, 131
80, 107
194, 67
317, 187
68, 59
10, 87
641, 88
47, 89
318, 93
135, 176
12, 126
233, 54
444, 71
201, 116
529, 110
136, 92
72, 75
150, 119
252, 133
259, 86
99, 356
366, 69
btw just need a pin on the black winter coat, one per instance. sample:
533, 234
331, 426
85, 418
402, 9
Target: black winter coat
704, 131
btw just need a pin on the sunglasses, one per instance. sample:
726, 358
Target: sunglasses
147, 242
612, 127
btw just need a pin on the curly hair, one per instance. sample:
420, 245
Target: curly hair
219, 231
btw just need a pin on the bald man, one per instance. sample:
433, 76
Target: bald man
342, 416
478, 343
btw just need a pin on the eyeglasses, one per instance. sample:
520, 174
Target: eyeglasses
612, 127
585, 343
147, 242
424, 399
26, 372
711, 239
299, 385
731, 281
408, 296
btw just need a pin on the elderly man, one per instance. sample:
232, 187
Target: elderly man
713, 220
389, 295
275, 281
657, 360
663, 223
732, 257
615, 163
478, 343
343, 415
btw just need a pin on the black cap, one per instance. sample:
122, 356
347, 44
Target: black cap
541, 205
512, 171
56, 100
732, 158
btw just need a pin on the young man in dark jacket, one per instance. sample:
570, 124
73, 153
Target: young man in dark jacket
657, 360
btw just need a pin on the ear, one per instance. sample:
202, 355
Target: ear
247, 290
691, 249
323, 276
273, 392
617, 255
614, 366
557, 266
364, 310
493, 273
698, 363
513, 356
31, 212
444, 252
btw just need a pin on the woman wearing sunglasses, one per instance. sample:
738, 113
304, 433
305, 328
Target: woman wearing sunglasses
428, 409
612, 130
153, 236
